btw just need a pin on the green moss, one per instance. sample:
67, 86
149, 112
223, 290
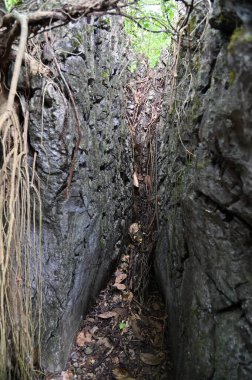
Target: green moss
232, 76
202, 164
196, 109
195, 312
102, 244
197, 101
239, 35
133, 67
104, 23
235, 36
178, 189
173, 215
192, 23
105, 75
78, 40
196, 63
248, 36
222, 19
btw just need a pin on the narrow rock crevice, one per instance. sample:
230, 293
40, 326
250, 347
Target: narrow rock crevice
150, 191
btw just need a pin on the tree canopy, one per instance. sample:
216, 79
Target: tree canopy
149, 24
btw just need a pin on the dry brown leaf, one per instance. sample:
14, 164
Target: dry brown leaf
119, 286
108, 314
136, 329
122, 374
89, 350
135, 316
140, 177
156, 306
36, 67
129, 297
82, 338
118, 272
148, 182
158, 326
135, 180
120, 311
125, 258
152, 359
158, 340
67, 375
104, 342
90, 376
93, 330
117, 298
121, 277
115, 360
90, 320
134, 228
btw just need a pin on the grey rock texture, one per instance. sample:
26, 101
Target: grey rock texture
204, 253
82, 233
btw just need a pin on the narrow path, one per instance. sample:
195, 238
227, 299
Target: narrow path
123, 336
120, 338
144, 109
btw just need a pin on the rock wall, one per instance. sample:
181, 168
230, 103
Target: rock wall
204, 255
82, 232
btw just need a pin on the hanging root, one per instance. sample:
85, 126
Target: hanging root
20, 263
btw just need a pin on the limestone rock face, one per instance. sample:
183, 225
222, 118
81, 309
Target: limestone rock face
82, 232
204, 253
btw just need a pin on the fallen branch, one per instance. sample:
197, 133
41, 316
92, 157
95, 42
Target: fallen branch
39, 21
66, 13
23, 39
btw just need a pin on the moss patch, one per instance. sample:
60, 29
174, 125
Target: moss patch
232, 76
239, 35
105, 75
78, 40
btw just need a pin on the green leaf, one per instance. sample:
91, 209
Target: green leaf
9, 4
122, 325
155, 15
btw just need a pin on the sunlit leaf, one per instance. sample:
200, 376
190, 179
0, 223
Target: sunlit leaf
11, 3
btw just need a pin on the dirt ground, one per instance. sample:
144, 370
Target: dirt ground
120, 337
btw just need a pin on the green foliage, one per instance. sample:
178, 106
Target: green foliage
9, 4
133, 67
239, 35
232, 76
150, 32
105, 75
122, 325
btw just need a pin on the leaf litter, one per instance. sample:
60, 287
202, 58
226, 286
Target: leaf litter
120, 339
